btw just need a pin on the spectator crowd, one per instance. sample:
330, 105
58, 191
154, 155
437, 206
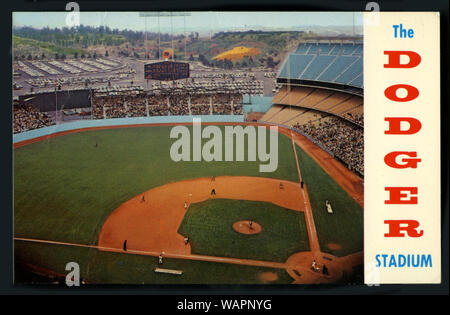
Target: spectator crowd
137, 105
26, 117
345, 140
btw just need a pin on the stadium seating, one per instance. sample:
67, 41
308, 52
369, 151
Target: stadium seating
330, 102
275, 109
286, 114
323, 101
314, 98
319, 64
333, 63
351, 72
293, 96
280, 95
309, 116
336, 68
294, 65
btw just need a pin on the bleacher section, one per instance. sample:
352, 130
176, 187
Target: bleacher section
323, 62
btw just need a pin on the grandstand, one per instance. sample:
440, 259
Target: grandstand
336, 64
322, 101
321, 96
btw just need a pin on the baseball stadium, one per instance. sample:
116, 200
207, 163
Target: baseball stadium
95, 183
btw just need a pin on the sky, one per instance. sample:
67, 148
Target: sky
203, 22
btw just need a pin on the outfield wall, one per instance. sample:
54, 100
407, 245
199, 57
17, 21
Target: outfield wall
31, 134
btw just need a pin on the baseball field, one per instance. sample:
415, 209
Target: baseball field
81, 196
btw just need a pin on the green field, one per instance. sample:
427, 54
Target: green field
105, 268
345, 225
66, 187
209, 228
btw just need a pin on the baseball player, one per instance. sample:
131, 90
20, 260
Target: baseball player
325, 270
314, 266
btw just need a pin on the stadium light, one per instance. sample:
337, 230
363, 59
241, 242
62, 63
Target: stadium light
164, 14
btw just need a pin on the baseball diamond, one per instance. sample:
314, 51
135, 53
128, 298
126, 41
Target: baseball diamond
83, 201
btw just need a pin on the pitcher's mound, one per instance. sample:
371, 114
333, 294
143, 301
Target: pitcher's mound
244, 227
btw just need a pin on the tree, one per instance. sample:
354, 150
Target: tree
270, 63
75, 55
203, 60
228, 64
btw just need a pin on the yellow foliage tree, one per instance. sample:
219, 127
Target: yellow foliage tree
237, 53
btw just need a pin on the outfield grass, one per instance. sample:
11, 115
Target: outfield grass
345, 226
208, 225
65, 187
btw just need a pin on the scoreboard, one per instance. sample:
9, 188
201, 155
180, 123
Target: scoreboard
166, 71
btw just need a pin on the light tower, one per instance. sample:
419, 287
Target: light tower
164, 14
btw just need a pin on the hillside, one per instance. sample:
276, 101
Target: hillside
271, 46
25, 47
